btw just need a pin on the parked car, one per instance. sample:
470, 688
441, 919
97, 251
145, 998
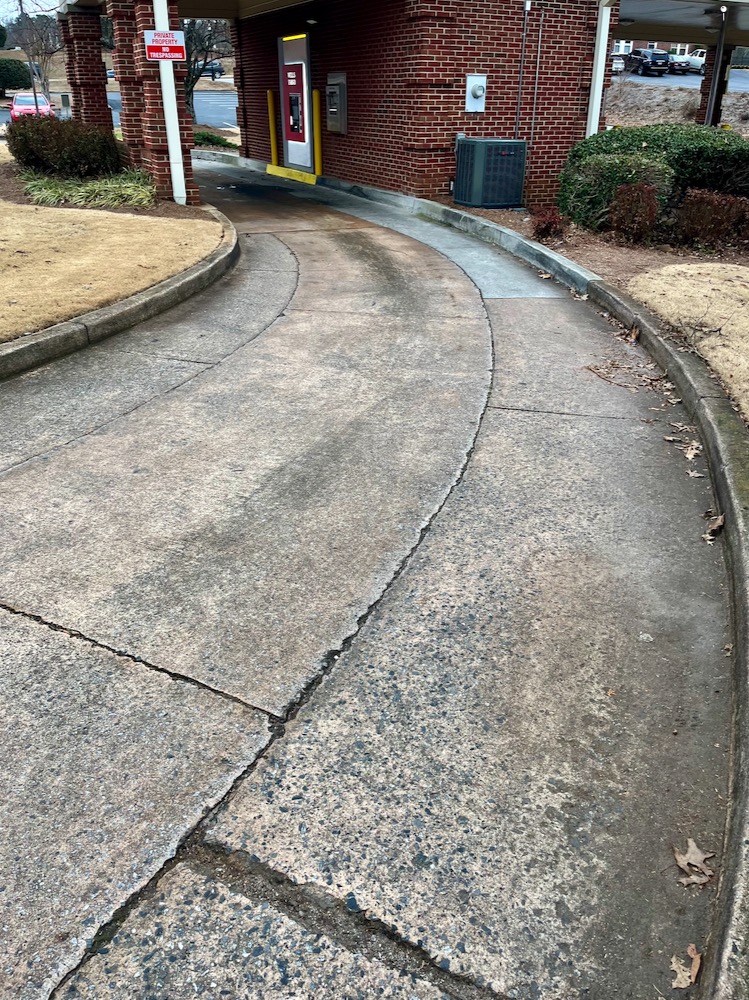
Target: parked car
25, 104
645, 62
214, 69
617, 64
678, 64
697, 61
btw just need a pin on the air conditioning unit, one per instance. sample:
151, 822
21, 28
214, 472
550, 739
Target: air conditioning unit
490, 173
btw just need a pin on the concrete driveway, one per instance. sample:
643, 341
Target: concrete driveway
359, 636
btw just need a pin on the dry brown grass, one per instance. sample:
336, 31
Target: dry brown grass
5, 156
631, 103
709, 305
58, 263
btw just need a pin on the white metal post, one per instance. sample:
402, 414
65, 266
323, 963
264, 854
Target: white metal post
171, 115
599, 66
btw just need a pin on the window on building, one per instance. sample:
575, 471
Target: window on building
680, 48
652, 45
622, 48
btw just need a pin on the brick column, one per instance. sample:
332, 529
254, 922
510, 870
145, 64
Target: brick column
710, 69
122, 13
154, 149
239, 40
81, 33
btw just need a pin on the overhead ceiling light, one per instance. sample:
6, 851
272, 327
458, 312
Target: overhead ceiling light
626, 20
311, 20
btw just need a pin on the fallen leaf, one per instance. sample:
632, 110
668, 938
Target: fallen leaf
691, 450
695, 880
714, 527
669, 437
693, 861
696, 962
544, 274
693, 474
682, 980
728, 648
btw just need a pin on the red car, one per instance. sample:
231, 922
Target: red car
26, 104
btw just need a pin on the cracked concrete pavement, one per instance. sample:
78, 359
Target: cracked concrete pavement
359, 639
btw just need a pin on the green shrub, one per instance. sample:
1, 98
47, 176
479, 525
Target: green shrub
14, 75
63, 148
209, 139
712, 219
634, 211
588, 186
130, 189
700, 157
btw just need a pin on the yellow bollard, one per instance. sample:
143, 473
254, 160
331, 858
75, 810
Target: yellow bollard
272, 128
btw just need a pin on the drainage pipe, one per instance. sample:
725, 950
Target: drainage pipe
538, 73
522, 67
171, 114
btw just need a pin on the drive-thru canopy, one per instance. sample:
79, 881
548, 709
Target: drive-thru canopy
376, 93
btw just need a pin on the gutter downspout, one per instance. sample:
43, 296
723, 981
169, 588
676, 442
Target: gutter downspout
599, 67
521, 72
171, 115
538, 72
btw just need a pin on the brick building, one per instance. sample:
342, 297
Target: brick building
401, 71
404, 62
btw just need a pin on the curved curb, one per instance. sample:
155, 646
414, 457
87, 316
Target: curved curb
726, 971
726, 440
56, 341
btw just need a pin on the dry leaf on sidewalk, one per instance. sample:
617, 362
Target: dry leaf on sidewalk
693, 474
714, 527
696, 962
682, 979
692, 862
692, 450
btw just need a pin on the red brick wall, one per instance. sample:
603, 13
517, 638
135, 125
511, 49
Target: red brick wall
406, 62
81, 34
143, 124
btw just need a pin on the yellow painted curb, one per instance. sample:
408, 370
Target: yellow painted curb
292, 175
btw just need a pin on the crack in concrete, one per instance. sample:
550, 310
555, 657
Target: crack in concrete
560, 413
133, 658
318, 911
277, 726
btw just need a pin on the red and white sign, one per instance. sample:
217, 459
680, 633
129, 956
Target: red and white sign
168, 45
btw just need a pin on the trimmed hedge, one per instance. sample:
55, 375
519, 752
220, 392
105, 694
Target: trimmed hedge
14, 75
589, 184
699, 156
63, 148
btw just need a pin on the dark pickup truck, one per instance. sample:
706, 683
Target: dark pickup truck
647, 61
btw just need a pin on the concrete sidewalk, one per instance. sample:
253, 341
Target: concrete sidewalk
388, 457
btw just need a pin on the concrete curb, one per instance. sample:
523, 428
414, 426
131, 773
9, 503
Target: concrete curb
726, 975
37, 348
726, 971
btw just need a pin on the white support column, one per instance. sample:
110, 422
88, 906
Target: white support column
600, 59
171, 114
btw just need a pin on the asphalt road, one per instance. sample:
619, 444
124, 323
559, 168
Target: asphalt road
738, 82
218, 109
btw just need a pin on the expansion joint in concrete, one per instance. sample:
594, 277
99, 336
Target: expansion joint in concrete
320, 912
192, 843
125, 655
